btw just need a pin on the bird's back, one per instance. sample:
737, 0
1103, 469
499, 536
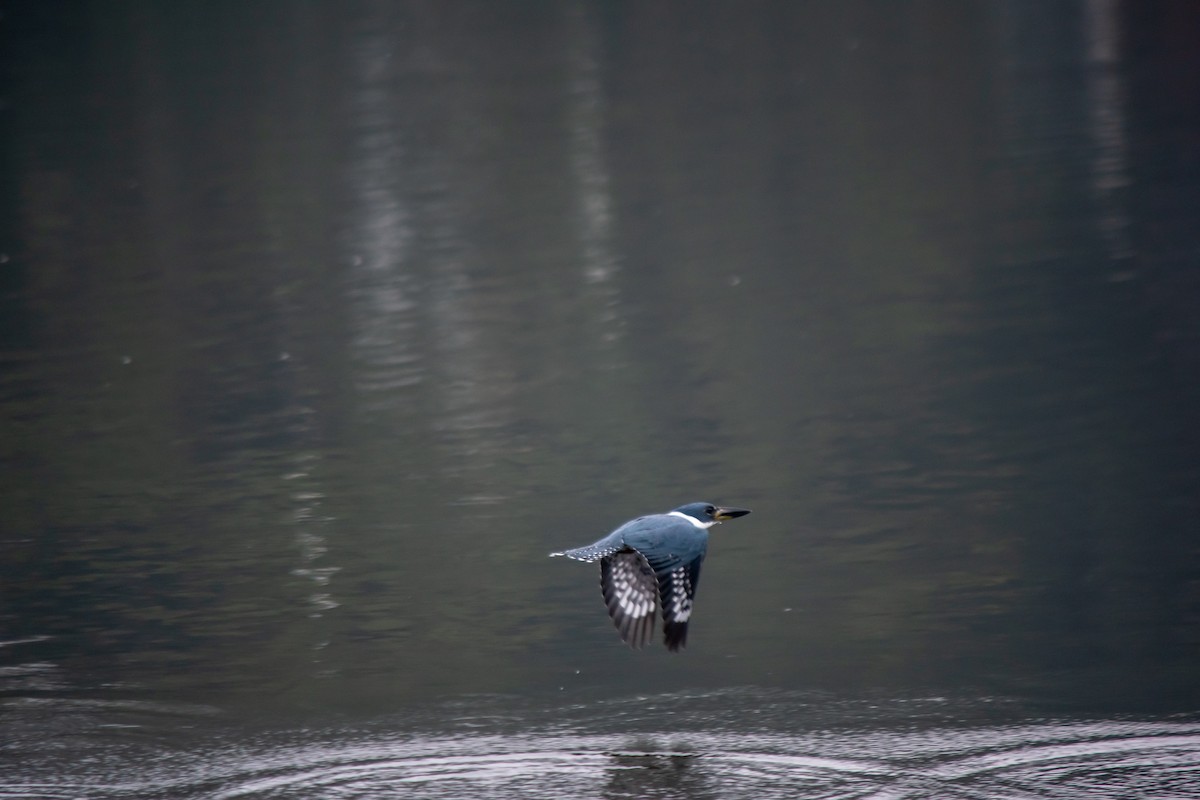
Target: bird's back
667, 541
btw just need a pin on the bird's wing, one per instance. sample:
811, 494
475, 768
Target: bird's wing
631, 594
674, 549
677, 592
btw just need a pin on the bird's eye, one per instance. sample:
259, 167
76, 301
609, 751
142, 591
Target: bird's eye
709, 510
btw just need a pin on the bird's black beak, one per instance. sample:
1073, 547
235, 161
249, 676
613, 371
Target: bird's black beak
723, 513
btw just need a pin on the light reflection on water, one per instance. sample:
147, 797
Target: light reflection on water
296, 418
627, 749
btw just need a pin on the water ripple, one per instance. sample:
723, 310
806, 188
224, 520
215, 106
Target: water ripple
883, 760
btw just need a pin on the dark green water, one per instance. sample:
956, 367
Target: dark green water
322, 324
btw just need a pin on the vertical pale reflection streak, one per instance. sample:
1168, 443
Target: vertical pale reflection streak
379, 230
586, 111
469, 373
285, 128
416, 310
1106, 108
310, 537
381, 235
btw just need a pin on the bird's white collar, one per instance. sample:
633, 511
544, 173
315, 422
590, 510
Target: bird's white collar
692, 520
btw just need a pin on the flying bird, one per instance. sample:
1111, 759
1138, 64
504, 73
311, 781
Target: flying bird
652, 564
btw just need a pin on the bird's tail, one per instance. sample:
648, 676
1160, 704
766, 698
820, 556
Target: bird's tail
593, 552
579, 554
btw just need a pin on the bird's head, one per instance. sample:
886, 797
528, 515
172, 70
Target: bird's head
708, 514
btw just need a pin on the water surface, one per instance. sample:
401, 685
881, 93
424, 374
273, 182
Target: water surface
681, 745
320, 326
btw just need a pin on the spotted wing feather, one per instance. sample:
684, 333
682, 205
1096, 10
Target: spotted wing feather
631, 593
677, 591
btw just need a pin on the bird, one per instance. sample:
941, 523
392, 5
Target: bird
652, 564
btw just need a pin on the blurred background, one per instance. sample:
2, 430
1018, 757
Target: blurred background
321, 324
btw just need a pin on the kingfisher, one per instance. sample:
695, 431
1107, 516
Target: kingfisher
652, 563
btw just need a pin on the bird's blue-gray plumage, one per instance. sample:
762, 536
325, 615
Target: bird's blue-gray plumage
652, 564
